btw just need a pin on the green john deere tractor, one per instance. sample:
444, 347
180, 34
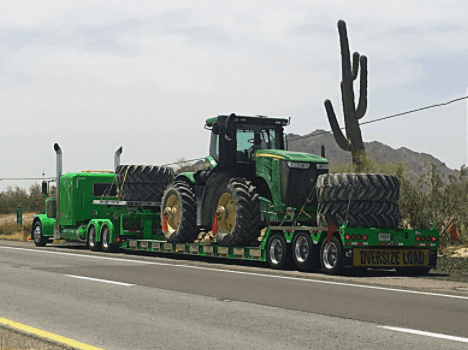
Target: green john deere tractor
250, 181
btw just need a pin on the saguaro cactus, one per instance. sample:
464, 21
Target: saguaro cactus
353, 140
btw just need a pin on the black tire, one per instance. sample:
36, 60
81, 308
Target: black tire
358, 187
92, 244
376, 214
413, 271
331, 256
304, 253
277, 252
143, 182
39, 239
241, 225
107, 245
179, 205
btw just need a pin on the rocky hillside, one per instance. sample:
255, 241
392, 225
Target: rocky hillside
417, 163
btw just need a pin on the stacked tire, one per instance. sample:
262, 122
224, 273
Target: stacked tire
364, 200
143, 182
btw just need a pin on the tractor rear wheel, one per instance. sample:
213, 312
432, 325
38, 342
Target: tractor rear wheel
143, 182
179, 208
238, 213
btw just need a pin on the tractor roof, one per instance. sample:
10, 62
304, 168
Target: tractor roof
252, 120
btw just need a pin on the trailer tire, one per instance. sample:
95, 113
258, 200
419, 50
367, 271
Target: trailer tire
277, 252
92, 244
143, 182
305, 253
331, 256
358, 187
179, 206
238, 207
39, 239
377, 214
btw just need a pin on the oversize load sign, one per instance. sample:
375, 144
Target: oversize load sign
390, 257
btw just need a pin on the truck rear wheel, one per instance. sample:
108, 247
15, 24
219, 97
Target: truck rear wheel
39, 239
143, 182
107, 245
92, 244
238, 210
305, 254
277, 252
179, 207
331, 256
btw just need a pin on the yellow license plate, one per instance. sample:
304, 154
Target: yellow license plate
390, 257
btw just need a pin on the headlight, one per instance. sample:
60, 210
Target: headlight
322, 166
298, 165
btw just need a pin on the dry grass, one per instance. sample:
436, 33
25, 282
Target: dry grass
9, 229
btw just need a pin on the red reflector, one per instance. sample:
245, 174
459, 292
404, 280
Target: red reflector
348, 243
417, 238
433, 239
118, 239
428, 238
428, 244
365, 237
383, 243
359, 237
347, 237
353, 237
360, 243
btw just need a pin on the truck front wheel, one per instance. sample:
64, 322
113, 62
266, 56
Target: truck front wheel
92, 244
331, 256
39, 239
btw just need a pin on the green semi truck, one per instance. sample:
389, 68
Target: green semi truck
254, 200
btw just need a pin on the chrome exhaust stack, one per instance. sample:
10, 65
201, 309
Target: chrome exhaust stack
117, 158
58, 174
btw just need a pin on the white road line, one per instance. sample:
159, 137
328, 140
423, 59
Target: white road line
100, 280
428, 334
246, 273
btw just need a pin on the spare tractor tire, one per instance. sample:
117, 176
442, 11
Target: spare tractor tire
378, 214
180, 208
237, 205
357, 187
143, 182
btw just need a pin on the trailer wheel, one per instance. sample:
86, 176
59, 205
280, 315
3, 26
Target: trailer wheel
331, 256
107, 245
92, 244
368, 187
39, 239
277, 252
305, 254
143, 182
413, 271
238, 209
179, 207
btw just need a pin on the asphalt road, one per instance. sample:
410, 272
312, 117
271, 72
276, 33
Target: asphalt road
122, 301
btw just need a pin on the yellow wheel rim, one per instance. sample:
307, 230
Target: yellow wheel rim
172, 210
226, 210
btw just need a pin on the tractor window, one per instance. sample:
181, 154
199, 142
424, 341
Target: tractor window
252, 137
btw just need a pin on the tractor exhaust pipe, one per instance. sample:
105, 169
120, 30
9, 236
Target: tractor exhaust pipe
117, 158
58, 174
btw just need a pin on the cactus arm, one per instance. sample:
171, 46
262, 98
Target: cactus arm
362, 105
337, 133
355, 64
344, 45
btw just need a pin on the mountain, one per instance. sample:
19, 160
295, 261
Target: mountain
418, 163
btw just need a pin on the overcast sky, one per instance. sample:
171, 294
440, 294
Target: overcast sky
145, 75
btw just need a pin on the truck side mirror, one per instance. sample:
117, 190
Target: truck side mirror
44, 188
215, 129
